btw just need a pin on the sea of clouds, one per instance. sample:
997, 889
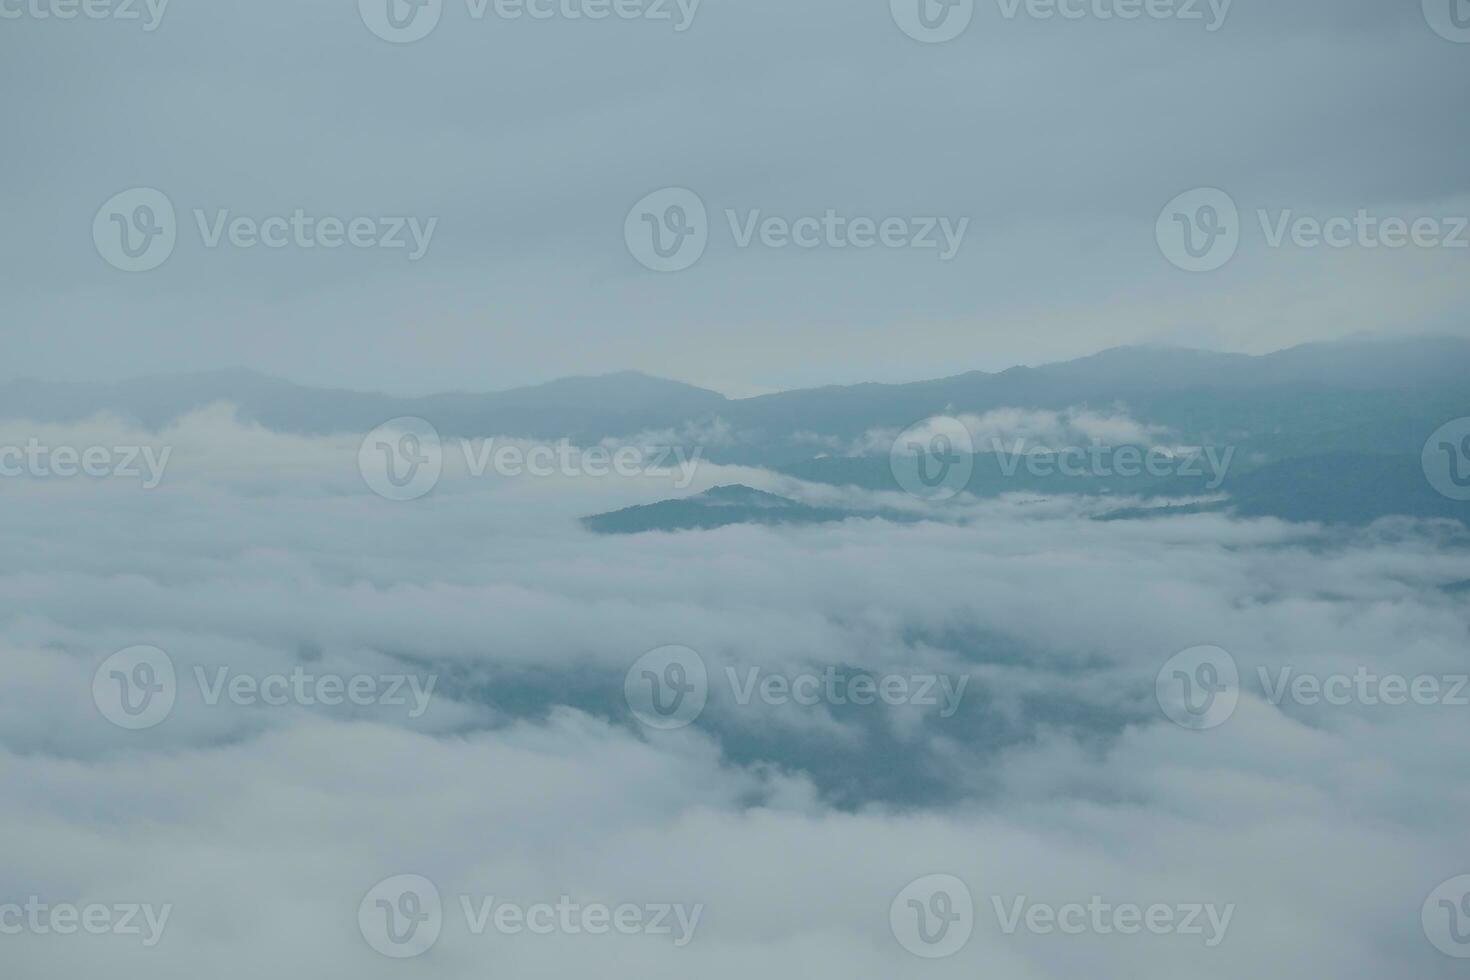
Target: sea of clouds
794, 827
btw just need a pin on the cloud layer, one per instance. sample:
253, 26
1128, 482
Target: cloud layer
793, 826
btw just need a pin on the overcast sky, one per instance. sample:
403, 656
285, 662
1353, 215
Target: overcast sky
1060, 140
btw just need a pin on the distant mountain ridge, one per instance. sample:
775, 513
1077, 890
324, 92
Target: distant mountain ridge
629, 401
722, 507
1344, 489
1362, 396
1328, 432
566, 407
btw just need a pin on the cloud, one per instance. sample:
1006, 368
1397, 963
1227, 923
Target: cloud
1026, 430
793, 826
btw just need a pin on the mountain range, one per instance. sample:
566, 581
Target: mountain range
1359, 408
1170, 385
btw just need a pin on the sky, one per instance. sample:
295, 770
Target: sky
418, 196
523, 150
